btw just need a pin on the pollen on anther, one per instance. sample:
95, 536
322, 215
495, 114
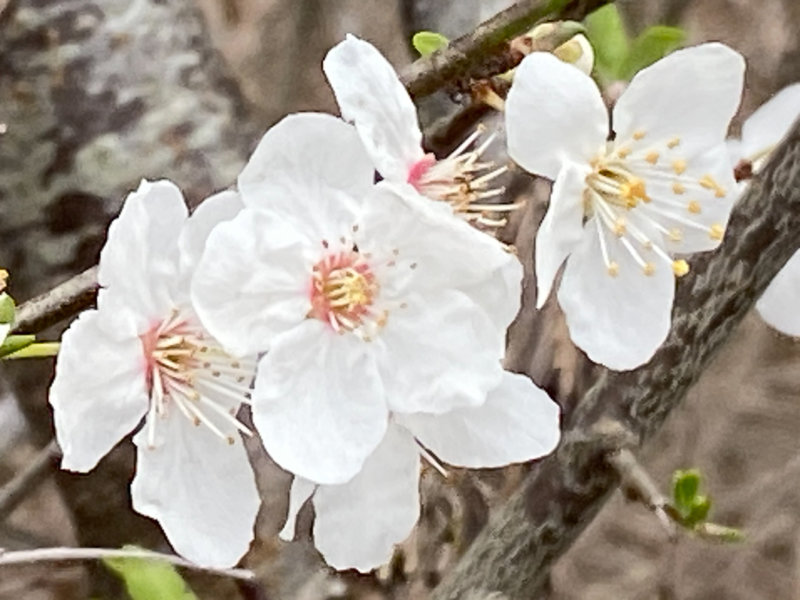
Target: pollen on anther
652, 157
677, 188
613, 269
675, 234
693, 207
649, 268
679, 166
231, 441
680, 267
638, 134
673, 143
709, 183
716, 231
623, 152
619, 228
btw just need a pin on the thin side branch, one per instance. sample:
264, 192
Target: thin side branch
26, 482
485, 52
40, 555
566, 490
63, 301
639, 485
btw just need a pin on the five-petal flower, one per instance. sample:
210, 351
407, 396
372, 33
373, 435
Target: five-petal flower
143, 354
368, 299
621, 209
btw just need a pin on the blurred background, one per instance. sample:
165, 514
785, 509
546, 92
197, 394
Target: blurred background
97, 94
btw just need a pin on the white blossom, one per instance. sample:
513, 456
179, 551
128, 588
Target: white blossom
622, 208
143, 354
371, 96
368, 299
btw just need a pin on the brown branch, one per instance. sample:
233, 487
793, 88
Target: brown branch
478, 55
25, 482
567, 489
485, 52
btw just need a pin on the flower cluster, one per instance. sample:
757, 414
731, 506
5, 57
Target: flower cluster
358, 327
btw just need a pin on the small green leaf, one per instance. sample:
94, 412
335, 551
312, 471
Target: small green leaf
36, 350
684, 489
653, 44
7, 308
148, 579
15, 343
607, 35
428, 42
698, 511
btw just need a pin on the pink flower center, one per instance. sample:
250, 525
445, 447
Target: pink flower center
343, 291
419, 169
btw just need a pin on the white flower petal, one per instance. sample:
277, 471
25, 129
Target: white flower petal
618, 321
518, 422
436, 250
561, 229
690, 95
371, 96
140, 258
358, 523
309, 166
252, 281
554, 114
318, 402
99, 392
199, 488
771, 122
214, 210
437, 353
778, 305
299, 493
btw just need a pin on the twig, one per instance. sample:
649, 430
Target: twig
640, 486
485, 52
61, 302
21, 557
25, 482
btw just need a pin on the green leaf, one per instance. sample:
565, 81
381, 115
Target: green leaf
698, 511
36, 350
607, 35
685, 485
148, 579
7, 308
428, 42
14, 343
653, 44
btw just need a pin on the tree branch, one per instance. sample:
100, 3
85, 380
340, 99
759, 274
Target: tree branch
22, 557
567, 489
16, 490
485, 52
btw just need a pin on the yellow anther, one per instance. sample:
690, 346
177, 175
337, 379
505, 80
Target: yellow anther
652, 157
716, 231
613, 269
649, 268
679, 166
638, 134
680, 267
632, 191
673, 143
677, 188
675, 234
623, 152
693, 207
709, 183
619, 227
